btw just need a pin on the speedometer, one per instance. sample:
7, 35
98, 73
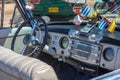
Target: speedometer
64, 42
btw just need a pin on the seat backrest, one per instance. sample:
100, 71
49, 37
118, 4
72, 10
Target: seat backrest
14, 66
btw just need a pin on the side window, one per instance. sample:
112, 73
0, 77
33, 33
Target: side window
11, 16
16, 19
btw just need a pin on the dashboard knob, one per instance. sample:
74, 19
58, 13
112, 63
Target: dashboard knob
96, 55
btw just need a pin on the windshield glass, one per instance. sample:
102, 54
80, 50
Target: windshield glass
57, 10
65, 10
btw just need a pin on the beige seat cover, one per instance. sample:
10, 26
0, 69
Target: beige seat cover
14, 66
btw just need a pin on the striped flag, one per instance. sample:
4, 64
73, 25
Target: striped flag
115, 9
104, 22
85, 10
111, 26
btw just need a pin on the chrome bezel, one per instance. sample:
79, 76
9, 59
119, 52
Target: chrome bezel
108, 57
61, 42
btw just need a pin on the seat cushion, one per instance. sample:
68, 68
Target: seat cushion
24, 68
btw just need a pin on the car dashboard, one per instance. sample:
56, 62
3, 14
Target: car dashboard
87, 50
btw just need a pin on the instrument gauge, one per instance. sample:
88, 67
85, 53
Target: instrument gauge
108, 54
64, 42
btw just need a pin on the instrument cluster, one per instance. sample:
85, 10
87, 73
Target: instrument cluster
84, 50
58, 45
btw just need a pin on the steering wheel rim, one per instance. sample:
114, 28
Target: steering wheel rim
22, 25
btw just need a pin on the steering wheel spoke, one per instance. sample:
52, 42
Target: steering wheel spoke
23, 50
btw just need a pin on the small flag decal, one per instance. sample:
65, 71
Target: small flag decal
103, 23
85, 10
116, 9
111, 26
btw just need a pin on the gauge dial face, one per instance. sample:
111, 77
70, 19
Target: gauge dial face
109, 54
64, 42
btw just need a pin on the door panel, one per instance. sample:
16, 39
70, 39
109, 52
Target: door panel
7, 34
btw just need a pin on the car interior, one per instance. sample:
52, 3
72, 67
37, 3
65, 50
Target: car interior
34, 49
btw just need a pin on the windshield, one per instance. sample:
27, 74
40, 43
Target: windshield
68, 11
60, 10
57, 10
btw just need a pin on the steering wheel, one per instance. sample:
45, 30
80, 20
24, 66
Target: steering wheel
31, 40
